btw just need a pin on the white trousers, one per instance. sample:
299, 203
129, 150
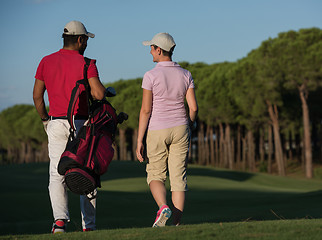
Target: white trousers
58, 133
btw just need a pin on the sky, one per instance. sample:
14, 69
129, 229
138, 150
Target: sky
209, 31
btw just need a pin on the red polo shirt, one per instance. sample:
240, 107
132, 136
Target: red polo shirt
60, 71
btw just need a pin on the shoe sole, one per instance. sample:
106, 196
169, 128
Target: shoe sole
80, 182
58, 230
164, 216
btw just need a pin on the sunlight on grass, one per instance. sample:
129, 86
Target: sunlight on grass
226, 179
125, 185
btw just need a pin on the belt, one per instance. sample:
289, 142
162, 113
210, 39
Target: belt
54, 118
77, 117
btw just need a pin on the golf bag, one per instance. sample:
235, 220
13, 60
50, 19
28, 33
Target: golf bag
89, 153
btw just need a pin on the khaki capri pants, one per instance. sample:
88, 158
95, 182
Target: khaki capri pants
167, 150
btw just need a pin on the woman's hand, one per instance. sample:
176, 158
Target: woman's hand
139, 151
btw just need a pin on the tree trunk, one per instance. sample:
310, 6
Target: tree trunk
284, 149
122, 146
232, 144
212, 148
298, 148
221, 145
251, 150
290, 145
9, 154
13, 155
238, 154
22, 151
206, 145
217, 147
190, 152
201, 150
244, 153
134, 143
273, 113
306, 134
115, 156
199, 143
261, 147
270, 149
229, 157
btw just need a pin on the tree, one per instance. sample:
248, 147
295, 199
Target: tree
297, 57
128, 100
247, 91
217, 108
21, 132
200, 71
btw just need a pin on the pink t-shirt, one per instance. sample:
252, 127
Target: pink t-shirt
60, 71
169, 84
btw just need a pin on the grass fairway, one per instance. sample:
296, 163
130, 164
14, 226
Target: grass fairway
220, 203
278, 229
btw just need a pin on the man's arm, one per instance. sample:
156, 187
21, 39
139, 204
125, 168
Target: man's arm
38, 96
97, 88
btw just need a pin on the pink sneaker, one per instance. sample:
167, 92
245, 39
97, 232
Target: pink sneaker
163, 215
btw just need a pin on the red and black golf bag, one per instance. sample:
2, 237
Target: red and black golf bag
89, 153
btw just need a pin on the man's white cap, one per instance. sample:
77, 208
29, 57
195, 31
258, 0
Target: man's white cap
77, 28
163, 40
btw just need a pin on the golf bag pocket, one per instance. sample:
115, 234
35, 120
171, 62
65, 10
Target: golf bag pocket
85, 159
80, 181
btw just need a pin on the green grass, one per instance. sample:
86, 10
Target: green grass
219, 203
281, 229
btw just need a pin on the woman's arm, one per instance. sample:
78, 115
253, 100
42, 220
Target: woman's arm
145, 114
192, 104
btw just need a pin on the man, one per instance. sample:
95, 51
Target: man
163, 113
57, 73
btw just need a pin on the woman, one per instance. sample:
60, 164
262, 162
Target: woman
163, 113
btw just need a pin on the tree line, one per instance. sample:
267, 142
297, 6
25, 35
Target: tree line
259, 113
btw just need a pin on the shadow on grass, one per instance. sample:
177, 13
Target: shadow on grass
25, 207
126, 210
127, 169
224, 174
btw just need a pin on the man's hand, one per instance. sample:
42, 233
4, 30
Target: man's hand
45, 123
38, 96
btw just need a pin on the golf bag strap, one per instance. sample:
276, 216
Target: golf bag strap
87, 86
75, 95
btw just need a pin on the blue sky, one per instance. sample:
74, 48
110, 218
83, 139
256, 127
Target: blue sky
209, 31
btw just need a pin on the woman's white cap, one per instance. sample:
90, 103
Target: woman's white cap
77, 28
163, 40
